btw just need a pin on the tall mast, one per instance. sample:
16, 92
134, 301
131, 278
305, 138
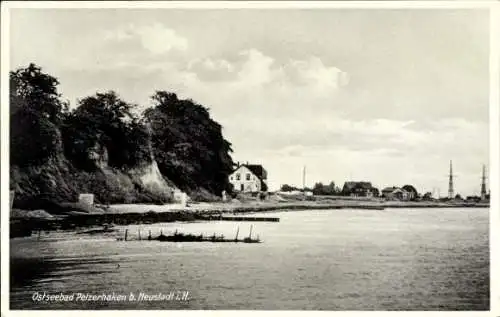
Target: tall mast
450, 183
483, 183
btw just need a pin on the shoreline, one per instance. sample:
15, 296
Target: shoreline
252, 207
148, 214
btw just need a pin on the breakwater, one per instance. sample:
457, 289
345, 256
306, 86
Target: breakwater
236, 218
183, 237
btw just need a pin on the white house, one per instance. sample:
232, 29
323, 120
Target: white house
249, 178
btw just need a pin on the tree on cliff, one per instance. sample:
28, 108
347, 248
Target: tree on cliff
188, 144
104, 125
36, 111
56, 152
32, 89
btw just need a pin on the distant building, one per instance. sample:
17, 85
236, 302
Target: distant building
359, 189
412, 191
395, 193
386, 192
249, 178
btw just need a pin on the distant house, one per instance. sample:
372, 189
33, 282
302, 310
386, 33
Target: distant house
359, 189
412, 192
249, 178
475, 199
395, 193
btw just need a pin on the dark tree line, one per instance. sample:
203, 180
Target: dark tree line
326, 190
318, 189
187, 144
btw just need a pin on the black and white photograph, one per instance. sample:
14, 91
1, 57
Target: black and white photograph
246, 156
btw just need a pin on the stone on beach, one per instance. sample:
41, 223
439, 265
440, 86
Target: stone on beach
39, 214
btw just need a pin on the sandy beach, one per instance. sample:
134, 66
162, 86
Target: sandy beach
266, 206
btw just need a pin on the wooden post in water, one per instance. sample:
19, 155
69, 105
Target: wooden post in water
251, 227
237, 231
139, 234
126, 234
149, 236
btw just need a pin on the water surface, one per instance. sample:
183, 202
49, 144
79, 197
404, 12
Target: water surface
395, 259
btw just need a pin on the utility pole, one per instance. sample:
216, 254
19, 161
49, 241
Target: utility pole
304, 178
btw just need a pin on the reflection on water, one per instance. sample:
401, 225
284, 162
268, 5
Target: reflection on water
435, 259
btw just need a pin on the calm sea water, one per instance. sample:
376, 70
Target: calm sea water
399, 259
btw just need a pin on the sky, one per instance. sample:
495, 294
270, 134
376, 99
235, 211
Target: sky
382, 95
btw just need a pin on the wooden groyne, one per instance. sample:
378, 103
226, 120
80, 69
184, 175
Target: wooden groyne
183, 237
236, 218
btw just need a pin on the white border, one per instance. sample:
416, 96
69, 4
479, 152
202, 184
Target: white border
494, 138
237, 313
4, 156
254, 4
494, 171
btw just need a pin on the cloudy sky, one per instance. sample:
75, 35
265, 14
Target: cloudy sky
387, 96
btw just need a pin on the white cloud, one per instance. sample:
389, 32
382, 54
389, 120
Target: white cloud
159, 39
156, 38
256, 70
314, 72
252, 69
218, 64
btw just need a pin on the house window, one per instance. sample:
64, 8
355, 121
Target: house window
248, 176
238, 176
231, 178
242, 187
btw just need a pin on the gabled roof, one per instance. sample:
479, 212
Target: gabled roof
394, 190
257, 170
365, 185
352, 185
389, 189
